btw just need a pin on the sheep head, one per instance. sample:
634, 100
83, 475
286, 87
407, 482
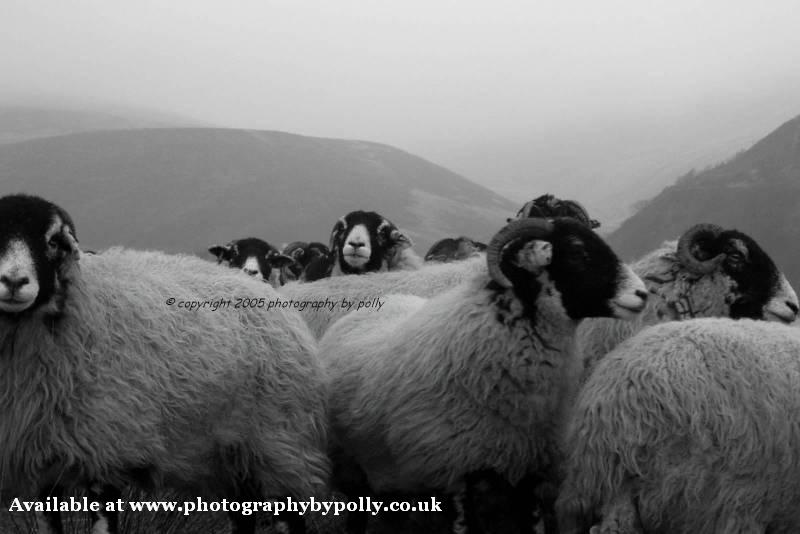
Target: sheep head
365, 241
550, 206
254, 256
754, 286
572, 260
302, 254
38, 253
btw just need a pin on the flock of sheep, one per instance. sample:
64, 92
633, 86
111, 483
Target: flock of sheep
602, 397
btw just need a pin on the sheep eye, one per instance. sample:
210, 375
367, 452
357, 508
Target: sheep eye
736, 257
54, 242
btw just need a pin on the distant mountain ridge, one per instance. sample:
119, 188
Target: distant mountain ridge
183, 189
757, 191
20, 123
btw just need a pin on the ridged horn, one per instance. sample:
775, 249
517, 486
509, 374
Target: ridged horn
687, 241
517, 229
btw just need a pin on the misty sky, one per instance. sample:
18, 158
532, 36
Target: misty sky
467, 83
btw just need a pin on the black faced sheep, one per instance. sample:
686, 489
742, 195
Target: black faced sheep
709, 272
109, 378
364, 241
454, 249
688, 427
255, 257
428, 391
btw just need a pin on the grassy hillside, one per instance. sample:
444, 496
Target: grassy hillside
184, 189
757, 191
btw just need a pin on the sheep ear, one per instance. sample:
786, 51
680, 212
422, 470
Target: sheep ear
534, 256
389, 234
70, 240
279, 260
399, 238
222, 252
62, 231
336, 232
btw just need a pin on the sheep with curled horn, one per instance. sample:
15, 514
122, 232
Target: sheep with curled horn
708, 272
688, 427
476, 378
429, 280
108, 380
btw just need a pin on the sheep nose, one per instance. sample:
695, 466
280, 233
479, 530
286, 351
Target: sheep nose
13, 284
251, 272
355, 244
792, 306
641, 294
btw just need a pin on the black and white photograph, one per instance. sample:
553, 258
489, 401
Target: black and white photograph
418, 267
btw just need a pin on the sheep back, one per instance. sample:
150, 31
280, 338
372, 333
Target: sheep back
196, 400
702, 418
426, 282
420, 397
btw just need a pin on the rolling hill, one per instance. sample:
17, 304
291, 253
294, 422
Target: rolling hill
757, 192
187, 188
22, 122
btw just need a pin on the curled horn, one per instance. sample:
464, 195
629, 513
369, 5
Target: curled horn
687, 241
527, 229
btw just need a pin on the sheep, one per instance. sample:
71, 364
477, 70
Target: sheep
454, 249
365, 241
302, 254
431, 390
254, 256
688, 427
548, 205
708, 272
428, 281
105, 381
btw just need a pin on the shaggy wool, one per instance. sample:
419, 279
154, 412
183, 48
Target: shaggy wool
429, 390
428, 281
675, 294
697, 423
122, 383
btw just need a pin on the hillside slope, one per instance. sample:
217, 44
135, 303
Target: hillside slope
23, 122
185, 189
757, 191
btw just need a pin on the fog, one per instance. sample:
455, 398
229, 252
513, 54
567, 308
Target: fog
522, 96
